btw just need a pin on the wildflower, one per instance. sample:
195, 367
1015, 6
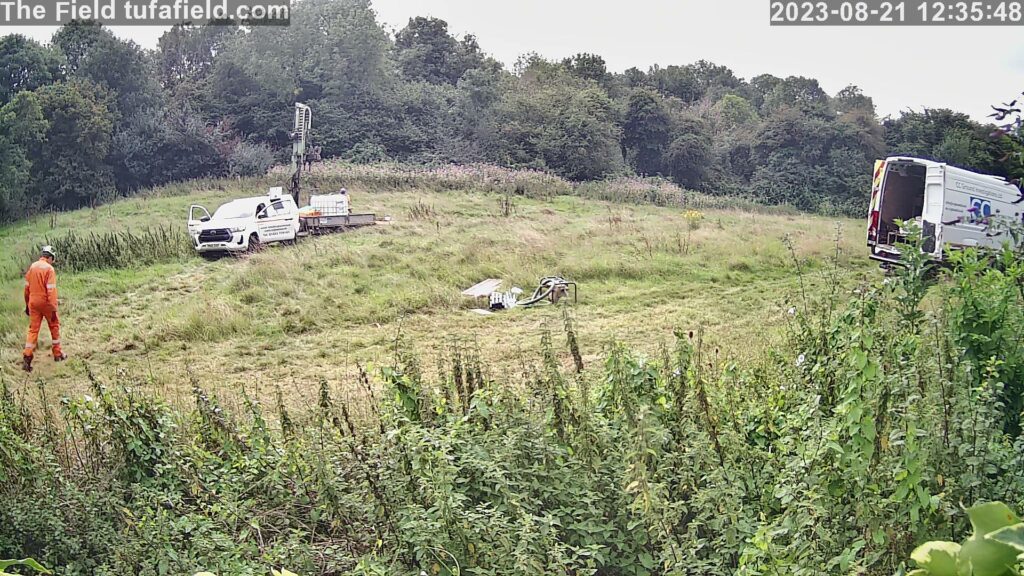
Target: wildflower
792, 311
800, 360
677, 373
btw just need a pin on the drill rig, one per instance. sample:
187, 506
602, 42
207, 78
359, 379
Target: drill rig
300, 139
326, 213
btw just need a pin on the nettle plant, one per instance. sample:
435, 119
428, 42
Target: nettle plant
995, 548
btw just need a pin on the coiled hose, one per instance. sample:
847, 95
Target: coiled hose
546, 287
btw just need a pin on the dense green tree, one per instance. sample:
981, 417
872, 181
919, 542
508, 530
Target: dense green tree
852, 99
678, 81
25, 65
187, 55
646, 131
173, 145
811, 151
587, 66
75, 41
121, 67
760, 87
946, 136
734, 111
70, 163
426, 51
22, 127
688, 158
634, 77
553, 124
715, 80
782, 178
802, 94
333, 56
804, 138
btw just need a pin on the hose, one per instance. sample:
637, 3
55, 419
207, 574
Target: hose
547, 285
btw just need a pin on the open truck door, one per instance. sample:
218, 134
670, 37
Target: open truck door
196, 216
277, 222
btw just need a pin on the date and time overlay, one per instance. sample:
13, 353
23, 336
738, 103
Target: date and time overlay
896, 13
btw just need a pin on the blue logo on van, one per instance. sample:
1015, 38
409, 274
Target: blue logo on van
980, 208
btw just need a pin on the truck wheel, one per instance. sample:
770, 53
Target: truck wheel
254, 243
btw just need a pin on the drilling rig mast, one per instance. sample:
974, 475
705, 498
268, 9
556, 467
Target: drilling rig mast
300, 139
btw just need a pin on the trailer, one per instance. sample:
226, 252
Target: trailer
953, 208
328, 213
325, 224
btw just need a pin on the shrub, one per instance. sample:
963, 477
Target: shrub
247, 159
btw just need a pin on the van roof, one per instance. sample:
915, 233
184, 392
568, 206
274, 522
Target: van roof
931, 163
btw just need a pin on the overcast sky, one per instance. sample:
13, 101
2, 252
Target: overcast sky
964, 68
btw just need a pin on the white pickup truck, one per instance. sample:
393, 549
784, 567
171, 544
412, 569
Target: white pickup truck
244, 224
954, 208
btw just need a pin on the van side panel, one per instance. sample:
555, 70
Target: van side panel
973, 203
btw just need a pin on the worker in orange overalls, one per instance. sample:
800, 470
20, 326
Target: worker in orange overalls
40, 304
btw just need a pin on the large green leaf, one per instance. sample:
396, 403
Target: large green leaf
937, 558
4, 564
980, 556
991, 516
1010, 535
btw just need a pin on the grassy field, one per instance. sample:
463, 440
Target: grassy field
293, 314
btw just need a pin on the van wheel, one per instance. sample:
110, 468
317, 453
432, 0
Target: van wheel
254, 243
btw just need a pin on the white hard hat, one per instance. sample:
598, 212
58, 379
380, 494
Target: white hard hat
48, 251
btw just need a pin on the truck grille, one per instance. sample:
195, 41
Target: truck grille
215, 235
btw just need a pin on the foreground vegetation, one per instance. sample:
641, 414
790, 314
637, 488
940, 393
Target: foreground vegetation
848, 444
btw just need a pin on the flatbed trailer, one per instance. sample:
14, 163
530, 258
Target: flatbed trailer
327, 224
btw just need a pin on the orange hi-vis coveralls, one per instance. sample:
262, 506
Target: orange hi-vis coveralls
41, 301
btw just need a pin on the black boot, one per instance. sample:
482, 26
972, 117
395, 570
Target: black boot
26, 363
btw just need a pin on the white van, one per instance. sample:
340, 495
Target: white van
244, 224
954, 208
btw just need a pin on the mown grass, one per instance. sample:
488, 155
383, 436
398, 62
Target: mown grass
292, 314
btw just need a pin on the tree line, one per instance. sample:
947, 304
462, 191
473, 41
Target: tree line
89, 116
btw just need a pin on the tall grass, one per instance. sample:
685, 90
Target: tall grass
523, 182
662, 192
124, 249
473, 177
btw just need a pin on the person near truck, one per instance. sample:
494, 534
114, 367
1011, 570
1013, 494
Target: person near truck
41, 304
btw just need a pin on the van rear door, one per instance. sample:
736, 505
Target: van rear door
875, 206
